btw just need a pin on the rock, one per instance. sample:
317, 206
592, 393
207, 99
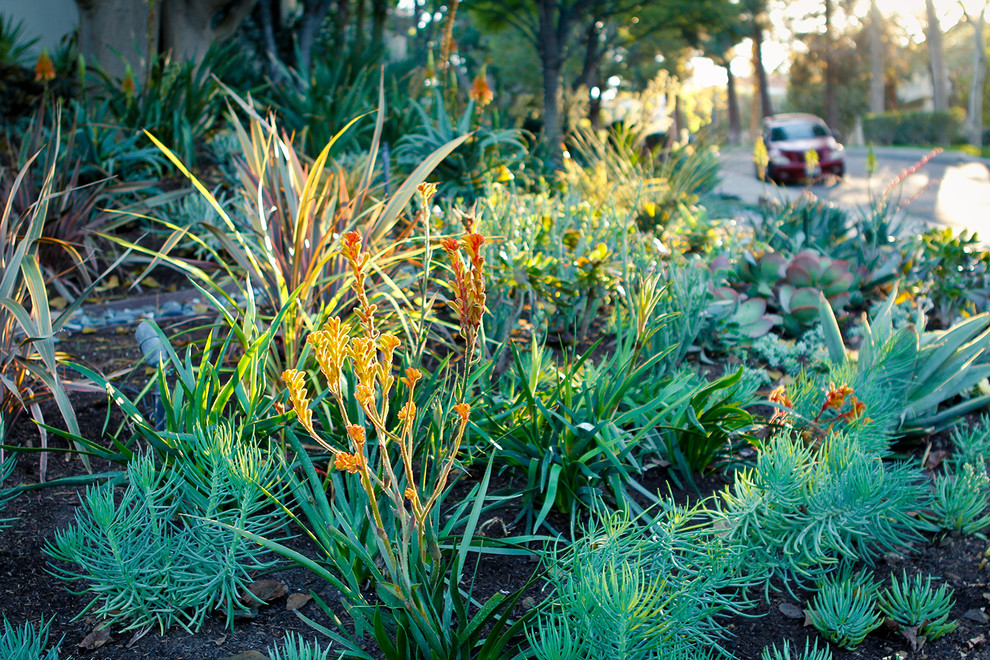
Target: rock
791, 611
976, 614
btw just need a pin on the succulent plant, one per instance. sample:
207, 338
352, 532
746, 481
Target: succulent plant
761, 273
807, 274
738, 317
791, 287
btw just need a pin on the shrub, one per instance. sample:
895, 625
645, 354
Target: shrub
914, 128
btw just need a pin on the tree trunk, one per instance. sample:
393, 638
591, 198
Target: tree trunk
190, 26
314, 12
831, 100
589, 70
341, 20
761, 73
877, 89
975, 119
359, 27
936, 56
551, 58
379, 13
115, 34
265, 13
733, 102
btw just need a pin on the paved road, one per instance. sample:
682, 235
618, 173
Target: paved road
953, 189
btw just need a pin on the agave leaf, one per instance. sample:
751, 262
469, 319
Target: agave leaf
830, 328
938, 347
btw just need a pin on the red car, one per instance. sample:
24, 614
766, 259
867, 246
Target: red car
788, 138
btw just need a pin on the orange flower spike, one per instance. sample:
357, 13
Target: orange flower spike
351, 247
363, 353
408, 412
352, 463
412, 377
779, 396
44, 68
357, 435
480, 92
473, 244
427, 191
858, 408
387, 343
835, 397
463, 411
295, 381
365, 397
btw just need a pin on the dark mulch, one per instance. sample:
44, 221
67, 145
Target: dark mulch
29, 592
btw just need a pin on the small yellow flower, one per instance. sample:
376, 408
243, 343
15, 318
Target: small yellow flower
463, 411
504, 175
427, 191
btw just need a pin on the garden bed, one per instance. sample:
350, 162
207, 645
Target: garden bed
31, 593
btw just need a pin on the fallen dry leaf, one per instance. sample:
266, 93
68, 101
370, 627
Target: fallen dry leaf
911, 635
264, 591
297, 601
95, 639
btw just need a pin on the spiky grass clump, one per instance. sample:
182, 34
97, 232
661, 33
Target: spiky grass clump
961, 499
914, 603
296, 647
844, 611
27, 643
165, 552
786, 653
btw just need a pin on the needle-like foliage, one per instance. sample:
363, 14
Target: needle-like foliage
153, 556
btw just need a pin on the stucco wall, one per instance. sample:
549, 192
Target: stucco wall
48, 20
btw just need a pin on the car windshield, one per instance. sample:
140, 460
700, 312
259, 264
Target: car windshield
797, 132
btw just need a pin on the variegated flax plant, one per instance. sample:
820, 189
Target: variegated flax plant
388, 475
